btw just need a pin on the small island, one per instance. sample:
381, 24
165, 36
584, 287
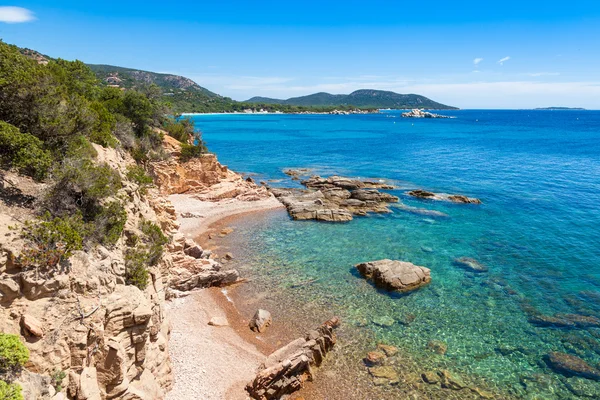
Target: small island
559, 108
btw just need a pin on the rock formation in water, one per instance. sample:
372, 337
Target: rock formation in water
454, 198
395, 275
335, 199
416, 113
286, 370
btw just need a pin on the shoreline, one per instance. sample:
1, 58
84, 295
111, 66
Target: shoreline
211, 362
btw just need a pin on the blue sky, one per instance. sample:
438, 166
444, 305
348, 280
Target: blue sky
450, 51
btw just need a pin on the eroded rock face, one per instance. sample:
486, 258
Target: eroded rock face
455, 198
335, 199
203, 175
286, 370
395, 275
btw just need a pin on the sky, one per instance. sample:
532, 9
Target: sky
469, 54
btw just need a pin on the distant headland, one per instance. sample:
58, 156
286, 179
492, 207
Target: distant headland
559, 108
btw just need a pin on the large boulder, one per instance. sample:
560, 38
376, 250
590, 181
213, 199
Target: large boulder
261, 321
395, 275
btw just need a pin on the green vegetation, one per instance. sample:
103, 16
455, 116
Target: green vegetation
145, 251
189, 151
13, 353
363, 99
138, 175
10, 391
24, 152
57, 378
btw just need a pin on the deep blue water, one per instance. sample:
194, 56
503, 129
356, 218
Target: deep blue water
538, 231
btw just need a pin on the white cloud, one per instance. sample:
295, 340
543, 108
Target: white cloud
503, 60
15, 15
537, 74
477, 61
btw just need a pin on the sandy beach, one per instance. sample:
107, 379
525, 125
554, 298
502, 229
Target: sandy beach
211, 362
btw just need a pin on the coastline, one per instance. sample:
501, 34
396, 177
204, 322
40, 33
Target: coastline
213, 362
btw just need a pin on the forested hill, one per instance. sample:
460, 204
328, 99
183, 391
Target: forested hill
364, 98
183, 94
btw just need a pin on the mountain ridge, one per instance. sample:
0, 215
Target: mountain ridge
367, 98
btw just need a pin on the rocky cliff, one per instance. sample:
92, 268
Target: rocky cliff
109, 339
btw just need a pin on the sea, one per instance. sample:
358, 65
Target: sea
537, 231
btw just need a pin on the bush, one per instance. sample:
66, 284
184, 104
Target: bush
136, 272
81, 184
49, 240
138, 175
109, 223
13, 353
10, 391
189, 151
24, 152
155, 240
80, 147
57, 378
182, 130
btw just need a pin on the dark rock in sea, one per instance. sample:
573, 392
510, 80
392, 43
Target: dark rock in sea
389, 351
565, 321
335, 199
395, 275
416, 113
455, 198
286, 370
437, 347
583, 388
449, 380
430, 377
571, 365
261, 321
374, 358
470, 264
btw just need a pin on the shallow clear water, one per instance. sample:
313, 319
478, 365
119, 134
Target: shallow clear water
538, 174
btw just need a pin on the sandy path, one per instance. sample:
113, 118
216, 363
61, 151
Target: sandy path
210, 363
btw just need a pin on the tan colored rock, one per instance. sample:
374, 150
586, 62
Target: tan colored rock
88, 385
218, 321
375, 358
395, 275
389, 351
32, 325
286, 370
260, 321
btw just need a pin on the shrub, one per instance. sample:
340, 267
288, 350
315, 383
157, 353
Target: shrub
13, 353
81, 184
57, 378
136, 273
189, 151
80, 147
109, 223
138, 175
10, 391
155, 240
49, 239
182, 130
24, 152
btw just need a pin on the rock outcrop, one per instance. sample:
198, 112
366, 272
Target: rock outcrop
395, 275
335, 199
204, 176
111, 339
454, 198
416, 113
286, 370
260, 321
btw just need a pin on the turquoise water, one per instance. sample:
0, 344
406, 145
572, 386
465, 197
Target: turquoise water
538, 174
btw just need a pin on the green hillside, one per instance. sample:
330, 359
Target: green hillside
364, 98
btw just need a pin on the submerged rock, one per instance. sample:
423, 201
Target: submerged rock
571, 365
387, 373
451, 381
455, 198
389, 351
437, 346
395, 275
374, 358
470, 264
